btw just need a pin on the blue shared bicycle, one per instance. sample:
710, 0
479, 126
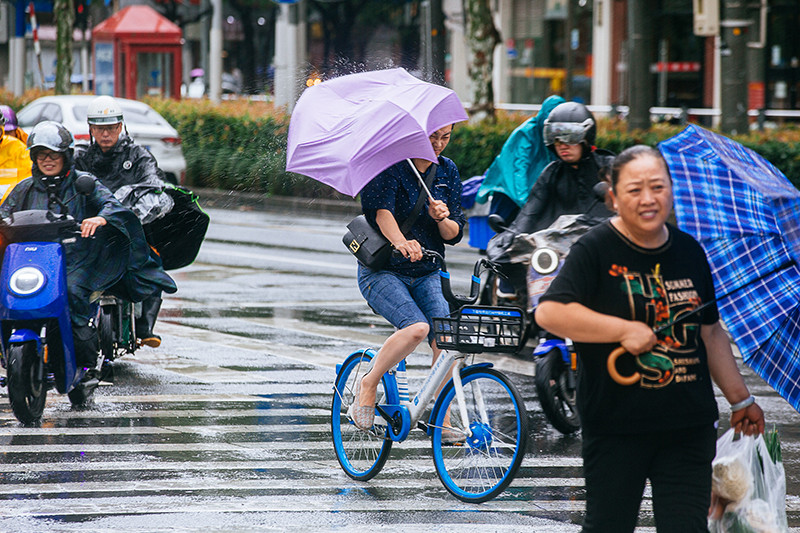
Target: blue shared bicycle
478, 424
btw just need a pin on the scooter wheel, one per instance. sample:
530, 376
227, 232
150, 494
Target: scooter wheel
27, 383
555, 397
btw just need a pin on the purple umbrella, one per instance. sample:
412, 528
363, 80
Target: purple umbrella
345, 131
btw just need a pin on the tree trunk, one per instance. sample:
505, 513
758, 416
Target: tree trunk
64, 13
482, 37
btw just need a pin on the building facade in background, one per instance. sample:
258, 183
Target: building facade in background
576, 48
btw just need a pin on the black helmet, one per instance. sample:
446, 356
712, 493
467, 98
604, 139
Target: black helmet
51, 135
570, 123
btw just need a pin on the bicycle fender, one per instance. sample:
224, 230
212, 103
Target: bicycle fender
476, 365
398, 412
358, 353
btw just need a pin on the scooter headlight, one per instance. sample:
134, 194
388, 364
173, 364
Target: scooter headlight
26, 281
544, 261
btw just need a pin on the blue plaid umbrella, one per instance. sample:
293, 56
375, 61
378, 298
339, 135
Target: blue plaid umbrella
746, 215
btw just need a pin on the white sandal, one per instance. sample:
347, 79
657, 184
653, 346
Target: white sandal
363, 415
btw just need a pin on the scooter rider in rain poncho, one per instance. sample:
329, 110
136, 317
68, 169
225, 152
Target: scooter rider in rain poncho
564, 187
115, 259
15, 165
131, 173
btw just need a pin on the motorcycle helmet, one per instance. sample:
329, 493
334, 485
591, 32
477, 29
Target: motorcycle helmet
103, 110
9, 118
51, 135
570, 123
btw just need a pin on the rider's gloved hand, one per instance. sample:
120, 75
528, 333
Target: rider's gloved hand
90, 225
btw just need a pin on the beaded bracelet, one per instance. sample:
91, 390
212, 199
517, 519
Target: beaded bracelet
747, 402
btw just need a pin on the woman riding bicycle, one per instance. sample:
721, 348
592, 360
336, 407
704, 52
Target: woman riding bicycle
407, 292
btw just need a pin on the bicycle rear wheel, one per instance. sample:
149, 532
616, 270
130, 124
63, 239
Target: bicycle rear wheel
361, 453
482, 466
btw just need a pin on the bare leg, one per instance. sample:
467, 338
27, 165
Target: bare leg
401, 343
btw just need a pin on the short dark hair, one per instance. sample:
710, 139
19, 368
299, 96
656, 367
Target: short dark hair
628, 155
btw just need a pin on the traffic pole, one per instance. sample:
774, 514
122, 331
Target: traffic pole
733, 54
640, 79
36, 46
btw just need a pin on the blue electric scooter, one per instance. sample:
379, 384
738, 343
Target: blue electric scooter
38, 351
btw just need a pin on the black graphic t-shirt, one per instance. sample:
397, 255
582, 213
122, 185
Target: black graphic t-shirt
609, 274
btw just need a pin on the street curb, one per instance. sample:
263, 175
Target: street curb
247, 201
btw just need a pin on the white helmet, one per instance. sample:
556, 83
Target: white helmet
104, 110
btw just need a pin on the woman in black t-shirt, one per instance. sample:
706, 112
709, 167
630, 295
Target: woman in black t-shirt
620, 282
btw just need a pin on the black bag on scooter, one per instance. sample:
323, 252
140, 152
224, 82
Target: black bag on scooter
177, 236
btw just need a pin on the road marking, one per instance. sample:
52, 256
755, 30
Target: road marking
272, 258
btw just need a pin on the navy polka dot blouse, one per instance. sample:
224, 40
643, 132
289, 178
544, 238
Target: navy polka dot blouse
396, 189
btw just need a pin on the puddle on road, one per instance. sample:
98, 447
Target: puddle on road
328, 317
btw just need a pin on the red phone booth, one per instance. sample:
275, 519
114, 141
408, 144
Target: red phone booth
137, 52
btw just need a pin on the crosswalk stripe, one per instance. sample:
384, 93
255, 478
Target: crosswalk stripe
201, 484
248, 464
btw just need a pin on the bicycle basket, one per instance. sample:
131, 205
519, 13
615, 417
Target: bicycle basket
474, 329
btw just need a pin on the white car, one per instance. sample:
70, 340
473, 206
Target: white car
144, 124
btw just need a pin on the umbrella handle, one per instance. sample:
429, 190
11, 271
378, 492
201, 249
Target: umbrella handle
421, 181
614, 373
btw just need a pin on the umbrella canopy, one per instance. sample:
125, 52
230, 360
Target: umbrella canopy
746, 215
345, 131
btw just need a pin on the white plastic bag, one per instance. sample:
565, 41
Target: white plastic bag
749, 488
146, 202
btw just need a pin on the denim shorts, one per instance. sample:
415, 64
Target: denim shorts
403, 300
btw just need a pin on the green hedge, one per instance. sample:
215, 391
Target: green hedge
239, 146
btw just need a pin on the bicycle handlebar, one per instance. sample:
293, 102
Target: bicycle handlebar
475, 287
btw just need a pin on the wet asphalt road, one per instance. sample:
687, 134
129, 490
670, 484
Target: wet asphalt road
226, 426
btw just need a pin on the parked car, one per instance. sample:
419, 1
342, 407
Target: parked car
144, 125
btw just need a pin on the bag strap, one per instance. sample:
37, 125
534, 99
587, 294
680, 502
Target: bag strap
414, 215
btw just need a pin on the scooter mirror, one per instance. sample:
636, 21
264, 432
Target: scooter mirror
85, 184
600, 190
497, 223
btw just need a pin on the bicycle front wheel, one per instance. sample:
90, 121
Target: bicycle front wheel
479, 467
361, 453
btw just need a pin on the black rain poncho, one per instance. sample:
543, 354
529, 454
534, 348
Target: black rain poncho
118, 260
131, 173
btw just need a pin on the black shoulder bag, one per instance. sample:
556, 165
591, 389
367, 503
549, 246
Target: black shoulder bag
368, 244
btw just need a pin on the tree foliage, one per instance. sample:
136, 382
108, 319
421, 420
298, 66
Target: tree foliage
64, 14
482, 37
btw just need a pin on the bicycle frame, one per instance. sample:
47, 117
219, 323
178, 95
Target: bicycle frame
403, 414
